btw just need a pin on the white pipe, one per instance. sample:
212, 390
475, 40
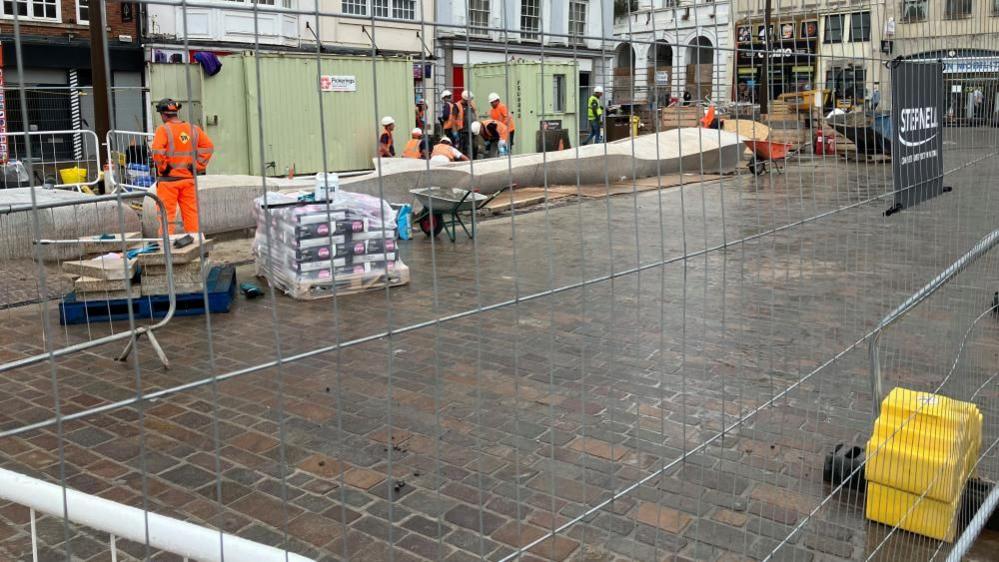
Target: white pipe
165, 533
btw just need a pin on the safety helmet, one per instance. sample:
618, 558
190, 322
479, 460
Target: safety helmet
598, 90
445, 94
167, 105
476, 128
417, 132
387, 120
493, 97
421, 101
446, 139
466, 95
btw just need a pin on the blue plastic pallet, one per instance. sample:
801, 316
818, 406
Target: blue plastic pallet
221, 284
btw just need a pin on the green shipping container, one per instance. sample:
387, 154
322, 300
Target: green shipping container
226, 105
537, 95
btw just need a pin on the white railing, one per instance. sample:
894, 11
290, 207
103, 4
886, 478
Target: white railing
121, 521
56, 156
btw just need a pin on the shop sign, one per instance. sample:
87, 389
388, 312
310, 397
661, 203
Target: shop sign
331, 83
962, 66
662, 78
917, 133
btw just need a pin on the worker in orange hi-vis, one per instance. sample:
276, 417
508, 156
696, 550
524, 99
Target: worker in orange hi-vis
180, 150
500, 113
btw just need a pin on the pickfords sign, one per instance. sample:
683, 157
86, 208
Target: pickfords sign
917, 145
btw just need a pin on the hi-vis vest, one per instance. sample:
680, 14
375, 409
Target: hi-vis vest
175, 153
501, 130
457, 117
412, 149
593, 109
444, 149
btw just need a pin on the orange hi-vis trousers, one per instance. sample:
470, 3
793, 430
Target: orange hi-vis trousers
180, 192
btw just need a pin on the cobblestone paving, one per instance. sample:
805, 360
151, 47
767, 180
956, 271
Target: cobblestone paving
468, 438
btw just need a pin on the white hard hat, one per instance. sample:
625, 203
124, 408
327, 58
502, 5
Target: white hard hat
445, 94
598, 90
387, 120
493, 97
446, 139
466, 95
417, 132
476, 127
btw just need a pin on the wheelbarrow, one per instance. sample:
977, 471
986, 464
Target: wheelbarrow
443, 206
768, 154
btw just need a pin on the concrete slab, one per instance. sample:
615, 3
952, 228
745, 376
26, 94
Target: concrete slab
63, 223
225, 203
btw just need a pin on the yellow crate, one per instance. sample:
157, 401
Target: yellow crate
923, 516
924, 442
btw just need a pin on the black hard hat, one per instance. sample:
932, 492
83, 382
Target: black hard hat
167, 105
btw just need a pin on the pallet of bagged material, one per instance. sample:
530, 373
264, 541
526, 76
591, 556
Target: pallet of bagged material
343, 285
221, 285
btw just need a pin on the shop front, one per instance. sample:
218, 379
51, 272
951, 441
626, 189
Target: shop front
789, 62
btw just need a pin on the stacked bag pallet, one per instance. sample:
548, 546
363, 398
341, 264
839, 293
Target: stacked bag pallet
312, 248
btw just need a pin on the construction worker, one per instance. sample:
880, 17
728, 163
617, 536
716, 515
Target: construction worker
445, 152
495, 134
180, 150
595, 114
469, 115
386, 146
447, 115
502, 114
416, 148
421, 114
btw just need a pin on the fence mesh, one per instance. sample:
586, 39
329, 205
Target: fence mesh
655, 359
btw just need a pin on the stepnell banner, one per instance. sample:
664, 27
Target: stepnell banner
917, 114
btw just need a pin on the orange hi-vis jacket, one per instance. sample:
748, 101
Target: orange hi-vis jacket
501, 130
457, 116
175, 153
502, 114
412, 149
445, 150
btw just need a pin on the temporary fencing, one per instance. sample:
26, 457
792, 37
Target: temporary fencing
677, 355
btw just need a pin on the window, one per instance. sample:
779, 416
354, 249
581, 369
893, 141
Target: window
577, 20
530, 19
32, 9
860, 26
355, 7
404, 9
478, 14
955, 9
995, 7
559, 94
834, 29
913, 10
380, 8
82, 11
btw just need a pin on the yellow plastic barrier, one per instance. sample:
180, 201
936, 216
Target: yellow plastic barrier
919, 457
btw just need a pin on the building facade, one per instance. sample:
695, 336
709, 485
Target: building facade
964, 34
811, 44
667, 48
342, 27
55, 50
493, 31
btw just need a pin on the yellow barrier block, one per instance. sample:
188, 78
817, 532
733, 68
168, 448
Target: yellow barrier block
930, 518
919, 456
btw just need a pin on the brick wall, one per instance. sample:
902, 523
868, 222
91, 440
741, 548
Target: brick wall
68, 26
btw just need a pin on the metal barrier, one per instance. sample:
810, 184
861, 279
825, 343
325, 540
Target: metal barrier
62, 159
132, 334
130, 164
